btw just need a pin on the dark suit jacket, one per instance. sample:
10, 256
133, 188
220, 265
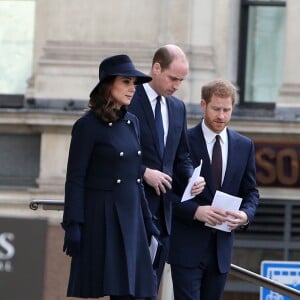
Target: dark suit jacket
189, 237
176, 153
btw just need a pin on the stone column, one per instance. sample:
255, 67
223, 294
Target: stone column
288, 103
73, 37
213, 43
201, 52
53, 161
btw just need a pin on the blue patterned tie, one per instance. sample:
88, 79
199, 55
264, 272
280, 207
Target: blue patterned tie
159, 126
216, 162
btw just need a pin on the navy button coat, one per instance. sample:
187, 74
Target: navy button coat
104, 193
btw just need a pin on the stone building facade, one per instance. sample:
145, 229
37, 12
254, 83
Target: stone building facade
70, 38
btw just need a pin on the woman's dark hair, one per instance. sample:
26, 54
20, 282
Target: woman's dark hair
102, 102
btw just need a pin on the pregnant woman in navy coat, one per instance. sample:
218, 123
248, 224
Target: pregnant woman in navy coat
106, 219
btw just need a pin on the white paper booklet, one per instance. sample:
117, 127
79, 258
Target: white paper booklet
225, 202
153, 248
187, 192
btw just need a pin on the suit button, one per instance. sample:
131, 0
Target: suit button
139, 152
119, 181
109, 124
128, 122
121, 153
138, 180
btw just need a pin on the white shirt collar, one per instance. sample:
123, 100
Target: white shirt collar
152, 94
209, 135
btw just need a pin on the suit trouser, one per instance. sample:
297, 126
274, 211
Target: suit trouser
163, 258
204, 282
164, 239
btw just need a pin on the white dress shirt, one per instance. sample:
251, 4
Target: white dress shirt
210, 138
163, 106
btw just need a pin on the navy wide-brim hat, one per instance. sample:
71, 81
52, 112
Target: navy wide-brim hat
119, 65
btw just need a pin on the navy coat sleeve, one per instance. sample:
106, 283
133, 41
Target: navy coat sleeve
81, 147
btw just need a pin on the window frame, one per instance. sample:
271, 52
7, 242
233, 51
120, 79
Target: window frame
16, 100
242, 56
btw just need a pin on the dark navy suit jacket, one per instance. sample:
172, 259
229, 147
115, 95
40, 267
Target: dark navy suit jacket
189, 237
176, 153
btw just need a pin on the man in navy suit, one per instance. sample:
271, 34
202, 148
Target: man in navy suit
160, 157
200, 256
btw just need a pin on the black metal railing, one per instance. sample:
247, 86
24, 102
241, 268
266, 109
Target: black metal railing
47, 204
236, 271
264, 282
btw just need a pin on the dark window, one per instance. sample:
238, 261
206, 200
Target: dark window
261, 51
19, 159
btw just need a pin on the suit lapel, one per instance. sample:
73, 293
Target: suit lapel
207, 171
148, 115
199, 152
171, 116
231, 158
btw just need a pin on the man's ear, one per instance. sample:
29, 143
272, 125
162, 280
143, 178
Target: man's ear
203, 105
156, 68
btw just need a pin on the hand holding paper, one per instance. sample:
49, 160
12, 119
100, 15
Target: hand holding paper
187, 195
225, 202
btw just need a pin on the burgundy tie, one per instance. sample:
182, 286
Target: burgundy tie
216, 163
